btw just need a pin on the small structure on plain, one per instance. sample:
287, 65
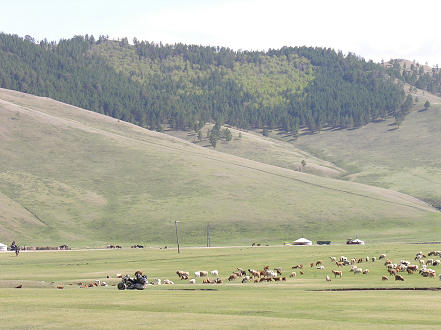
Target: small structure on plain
355, 241
302, 241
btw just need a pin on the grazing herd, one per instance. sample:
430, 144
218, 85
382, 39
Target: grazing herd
354, 265
420, 266
252, 275
423, 266
393, 269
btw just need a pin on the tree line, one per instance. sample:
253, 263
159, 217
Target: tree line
416, 75
186, 86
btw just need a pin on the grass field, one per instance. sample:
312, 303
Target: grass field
70, 176
405, 159
253, 145
302, 301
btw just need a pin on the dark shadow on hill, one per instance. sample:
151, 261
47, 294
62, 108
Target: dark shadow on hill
284, 135
307, 133
327, 128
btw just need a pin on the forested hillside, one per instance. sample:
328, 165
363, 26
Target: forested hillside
416, 75
184, 86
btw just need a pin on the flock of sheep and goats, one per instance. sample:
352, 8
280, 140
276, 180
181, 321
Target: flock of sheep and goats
420, 266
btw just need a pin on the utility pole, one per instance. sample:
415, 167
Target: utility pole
177, 235
208, 235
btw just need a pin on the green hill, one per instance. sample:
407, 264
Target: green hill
187, 86
273, 151
405, 159
77, 177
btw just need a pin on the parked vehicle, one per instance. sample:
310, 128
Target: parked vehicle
139, 282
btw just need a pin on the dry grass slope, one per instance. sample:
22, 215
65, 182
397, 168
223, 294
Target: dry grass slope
404, 159
87, 179
255, 146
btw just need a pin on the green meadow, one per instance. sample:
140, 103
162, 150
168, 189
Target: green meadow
302, 301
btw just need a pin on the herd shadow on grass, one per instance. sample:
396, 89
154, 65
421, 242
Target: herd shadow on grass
379, 289
193, 289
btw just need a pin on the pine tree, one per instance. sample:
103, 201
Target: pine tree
426, 105
213, 139
228, 135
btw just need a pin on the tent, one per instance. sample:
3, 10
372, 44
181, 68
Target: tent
3, 247
302, 241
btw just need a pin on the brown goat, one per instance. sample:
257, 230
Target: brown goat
337, 273
399, 278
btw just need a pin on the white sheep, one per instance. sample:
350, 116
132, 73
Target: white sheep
214, 273
192, 281
358, 270
246, 279
270, 273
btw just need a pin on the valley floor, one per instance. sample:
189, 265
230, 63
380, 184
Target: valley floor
301, 301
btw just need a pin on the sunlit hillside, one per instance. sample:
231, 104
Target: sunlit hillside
405, 159
81, 178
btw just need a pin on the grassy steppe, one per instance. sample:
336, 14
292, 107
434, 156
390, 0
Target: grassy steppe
292, 304
267, 150
72, 176
405, 159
